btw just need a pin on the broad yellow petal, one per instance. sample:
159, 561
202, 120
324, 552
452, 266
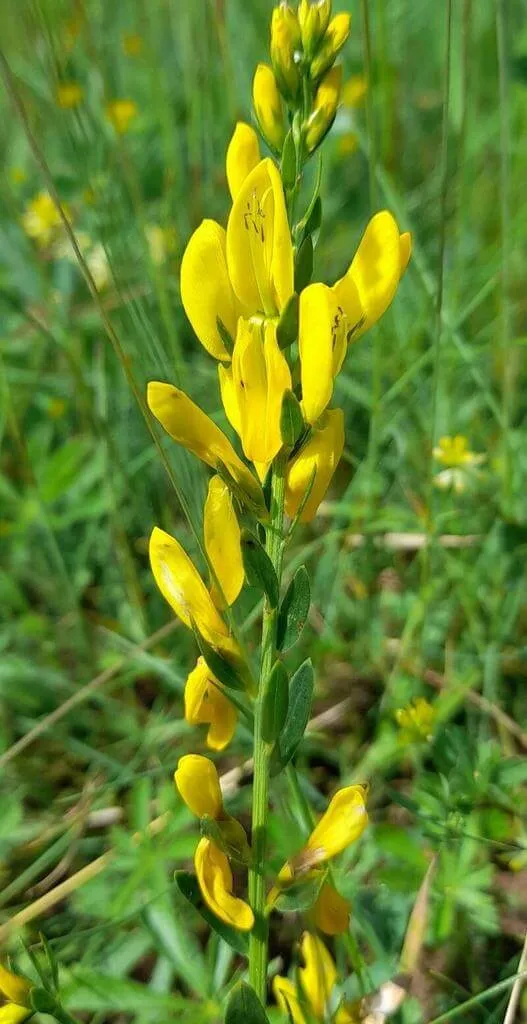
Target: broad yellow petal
206, 291
268, 107
331, 911
342, 823
243, 154
260, 375
317, 336
196, 778
259, 248
286, 996
215, 881
375, 269
319, 456
13, 987
319, 975
222, 542
205, 703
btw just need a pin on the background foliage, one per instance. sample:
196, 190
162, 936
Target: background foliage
81, 485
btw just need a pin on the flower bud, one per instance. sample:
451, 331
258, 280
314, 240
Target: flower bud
285, 44
268, 107
326, 102
314, 20
197, 780
334, 39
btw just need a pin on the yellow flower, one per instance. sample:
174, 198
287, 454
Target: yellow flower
196, 778
285, 45
318, 457
243, 153
206, 291
259, 248
331, 911
322, 347
313, 19
205, 703
222, 542
41, 219
317, 980
460, 463
191, 427
161, 242
325, 106
69, 95
286, 995
354, 91
132, 44
216, 883
17, 992
252, 389
120, 114
342, 823
337, 32
268, 107
416, 720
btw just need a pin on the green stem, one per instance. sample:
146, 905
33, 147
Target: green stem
259, 935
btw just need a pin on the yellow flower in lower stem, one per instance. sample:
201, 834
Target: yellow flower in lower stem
197, 780
216, 884
120, 114
206, 704
342, 823
325, 106
253, 387
222, 542
243, 153
69, 95
314, 465
41, 219
317, 980
268, 107
191, 427
331, 911
286, 995
17, 992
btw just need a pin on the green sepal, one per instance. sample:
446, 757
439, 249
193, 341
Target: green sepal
314, 219
244, 1007
42, 1001
229, 835
288, 164
301, 895
304, 264
292, 423
225, 336
259, 569
188, 886
275, 702
234, 675
245, 499
287, 329
294, 610
300, 697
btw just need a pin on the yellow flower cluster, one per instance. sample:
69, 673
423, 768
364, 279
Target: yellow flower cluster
16, 992
459, 461
416, 721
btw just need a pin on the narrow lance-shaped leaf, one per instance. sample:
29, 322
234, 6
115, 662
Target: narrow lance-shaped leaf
244, 1007
304, 264
294, 610
288, 163
287, 327
275, 702
300, 697
292, 423
188, 886
259, 569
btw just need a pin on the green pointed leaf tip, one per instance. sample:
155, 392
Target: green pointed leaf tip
289, 161
294, 610
259, 569
300, 697
291, 420
315, 219
275, 702
304, 264
189, 888
244, 1007
287, 329
233, 677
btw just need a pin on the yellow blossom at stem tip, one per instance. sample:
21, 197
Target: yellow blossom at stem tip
197, 780
336, 35
285, 44
206, 704
327, 99
216, 884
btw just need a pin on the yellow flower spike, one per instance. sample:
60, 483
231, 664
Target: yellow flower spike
268, 107
222, 542
319, 975
331, 911
322, 347
191, 427
69, 95
375, 269
342, 823
206, 704
286, 996
259, 248
337, 33
120, 114
327, 99
319, 456
285, 44
197, 780
253, 389
215, 881
243, 153
313, 18
206, 291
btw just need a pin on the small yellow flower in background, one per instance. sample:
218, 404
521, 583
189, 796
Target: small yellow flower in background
206, 704
216, 884
41, 219
347, 144
120, 114
325, 106
223, 542
161, 242
18, 175
315, 465
132, 44
243, 153
460, 463
197, 780
56, 408
416, 721
69, 95
331, 911
99, 266
354, 91
268, 107
16, 991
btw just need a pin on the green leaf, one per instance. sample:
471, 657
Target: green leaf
304, 264
259, 569
294, 610
229, 835
300, 697
275, 702
301, 895
188, 886
291, 420
288, 165
42, 1001
244, 1007
287, 329
230, 675
314, 219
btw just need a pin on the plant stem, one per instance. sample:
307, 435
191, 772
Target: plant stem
259, 934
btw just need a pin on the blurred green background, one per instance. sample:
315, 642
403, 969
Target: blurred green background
81, 485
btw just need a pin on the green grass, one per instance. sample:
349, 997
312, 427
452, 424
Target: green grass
82, 484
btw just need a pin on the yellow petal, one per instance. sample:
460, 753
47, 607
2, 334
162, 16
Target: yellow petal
205, 703
319, 456
222, 542
215, 881
191, 427
327, 99
319, 975
376, 268
13, 987
12, 1013
268, 106
317, 340
286, 996
206, 291
285, 41
260, 376
337, 32
331, 911
259, 249
196, 778
229, 397
243, 154
405, 250
343, 822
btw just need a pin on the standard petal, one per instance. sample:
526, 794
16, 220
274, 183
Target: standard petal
317, 310
260, 375
196, 778
342, 823
206, 291
222, 542
215, 881
206, 704
243, 153
376, 268
319, 457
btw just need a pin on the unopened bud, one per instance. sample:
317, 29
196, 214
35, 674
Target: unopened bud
285, 49
268, 107
326, 102
334, 39
313, 18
